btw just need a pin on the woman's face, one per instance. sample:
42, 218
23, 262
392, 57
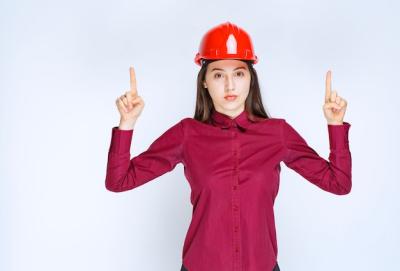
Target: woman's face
228, 77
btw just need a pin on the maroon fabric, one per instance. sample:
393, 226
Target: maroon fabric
276, 268
233, 168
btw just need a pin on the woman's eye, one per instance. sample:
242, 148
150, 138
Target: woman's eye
218, 75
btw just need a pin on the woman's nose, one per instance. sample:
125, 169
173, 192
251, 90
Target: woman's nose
229, 83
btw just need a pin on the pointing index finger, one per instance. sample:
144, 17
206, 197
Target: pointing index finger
133, 81
328, 86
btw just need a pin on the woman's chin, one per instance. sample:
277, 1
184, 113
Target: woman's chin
231, 106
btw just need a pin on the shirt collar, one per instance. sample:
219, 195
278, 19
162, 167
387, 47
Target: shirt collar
224, 121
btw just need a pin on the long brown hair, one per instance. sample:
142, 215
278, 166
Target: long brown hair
204, 103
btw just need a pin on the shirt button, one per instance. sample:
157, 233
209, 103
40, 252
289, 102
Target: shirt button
235, 207
237, 249
236, 228
234, 187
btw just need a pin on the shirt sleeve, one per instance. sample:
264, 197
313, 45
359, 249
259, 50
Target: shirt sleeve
334, 175
124, 173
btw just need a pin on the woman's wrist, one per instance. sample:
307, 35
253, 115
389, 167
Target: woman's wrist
335, 123
126, 125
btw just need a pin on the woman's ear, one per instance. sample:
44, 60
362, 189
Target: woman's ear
205, 85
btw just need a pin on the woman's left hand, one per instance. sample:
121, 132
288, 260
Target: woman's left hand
334, 106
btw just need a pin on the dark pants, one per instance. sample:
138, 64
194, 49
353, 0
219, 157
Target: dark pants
276, 268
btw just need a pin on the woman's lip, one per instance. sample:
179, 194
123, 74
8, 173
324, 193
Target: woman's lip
230, 97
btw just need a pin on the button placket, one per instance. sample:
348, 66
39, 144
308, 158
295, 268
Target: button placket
236, 203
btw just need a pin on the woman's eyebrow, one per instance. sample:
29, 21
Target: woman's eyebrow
215, 69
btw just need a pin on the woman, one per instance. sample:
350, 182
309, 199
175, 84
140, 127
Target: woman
231, 153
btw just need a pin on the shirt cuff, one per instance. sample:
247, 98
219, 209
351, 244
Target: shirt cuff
120, 140
339, 136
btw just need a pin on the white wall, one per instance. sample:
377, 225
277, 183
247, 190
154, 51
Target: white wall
63, 64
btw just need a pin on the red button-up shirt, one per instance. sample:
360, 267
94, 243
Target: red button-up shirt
233, 168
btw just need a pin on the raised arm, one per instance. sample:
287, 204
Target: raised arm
334, 175
124, 173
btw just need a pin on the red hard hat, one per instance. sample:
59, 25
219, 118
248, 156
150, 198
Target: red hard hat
226, 41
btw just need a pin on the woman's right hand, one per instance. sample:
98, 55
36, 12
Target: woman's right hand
130, 104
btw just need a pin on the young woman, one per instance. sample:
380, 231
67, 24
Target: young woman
231, 153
